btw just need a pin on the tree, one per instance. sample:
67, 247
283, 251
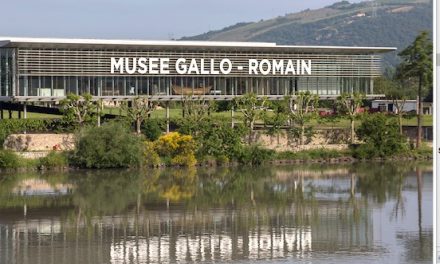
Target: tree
197, 108
303, 110
350, 105
417, 63
139, 110
78, 109
275, 122
251, 107
398, 91
381, 137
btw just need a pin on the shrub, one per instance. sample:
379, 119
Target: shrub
178, 149
216, 137
310, 154
10, 160
109, 146
54, 160
174, 143
150, 155
381, 136
152, 129
184, 159
255, 155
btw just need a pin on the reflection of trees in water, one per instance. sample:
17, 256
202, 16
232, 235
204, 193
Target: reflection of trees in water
383, 181
418, 246
255, 208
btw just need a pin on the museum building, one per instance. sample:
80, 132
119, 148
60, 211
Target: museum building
46, 70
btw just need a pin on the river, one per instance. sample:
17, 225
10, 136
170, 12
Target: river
360, 213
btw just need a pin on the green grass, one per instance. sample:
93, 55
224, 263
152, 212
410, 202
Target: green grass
29, 115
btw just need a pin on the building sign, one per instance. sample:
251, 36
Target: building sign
183, 66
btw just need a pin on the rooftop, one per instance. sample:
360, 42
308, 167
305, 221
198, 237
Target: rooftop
180, 45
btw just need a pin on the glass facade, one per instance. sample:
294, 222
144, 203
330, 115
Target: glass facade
30, 73
7, 72
174, 86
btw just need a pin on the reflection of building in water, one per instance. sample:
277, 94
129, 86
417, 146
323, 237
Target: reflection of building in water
257, 245
179, 236
40, 187
319, 215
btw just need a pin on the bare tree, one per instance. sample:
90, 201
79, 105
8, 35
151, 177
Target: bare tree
78, 108
138, 110
350, 105
250, 106
302, 109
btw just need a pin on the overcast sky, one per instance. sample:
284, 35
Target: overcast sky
137, 19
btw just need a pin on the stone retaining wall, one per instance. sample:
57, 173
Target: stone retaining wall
39, 142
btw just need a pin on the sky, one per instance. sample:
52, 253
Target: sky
137, 19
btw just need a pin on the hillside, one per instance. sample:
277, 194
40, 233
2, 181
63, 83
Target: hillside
374, 23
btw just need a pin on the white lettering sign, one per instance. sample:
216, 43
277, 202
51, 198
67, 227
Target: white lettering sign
185, 66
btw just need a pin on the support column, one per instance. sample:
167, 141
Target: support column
99, 113
10, 114
24, 110
232, 117
168, 116
1, 110
19, 114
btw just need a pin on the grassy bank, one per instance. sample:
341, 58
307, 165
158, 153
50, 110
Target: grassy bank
255, 156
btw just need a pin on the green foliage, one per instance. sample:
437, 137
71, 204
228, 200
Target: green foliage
251, 107
10, 160
223, 106
302, 111
11, 126
255, 155
138, 110
184, 159
109, 146
54, 160
417, 60
152, 129
79, 109
381, 136
274, 123
312, 154
151, 158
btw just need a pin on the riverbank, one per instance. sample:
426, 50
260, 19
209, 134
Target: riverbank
62, 160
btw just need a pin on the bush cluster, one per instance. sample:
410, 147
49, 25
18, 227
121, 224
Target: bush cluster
312, 154
109, 146
381, 138
54, 160
174, 148
10, 160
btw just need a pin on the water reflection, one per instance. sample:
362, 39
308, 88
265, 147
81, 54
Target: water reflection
373, 212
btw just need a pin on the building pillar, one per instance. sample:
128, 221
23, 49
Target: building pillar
98, 108
24, 110
1, 110
19, 114
168, 116
232, 117
10, 114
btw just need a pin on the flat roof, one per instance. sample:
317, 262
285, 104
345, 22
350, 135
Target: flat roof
19, 42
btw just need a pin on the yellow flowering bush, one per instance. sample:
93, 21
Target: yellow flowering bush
174, 148
150, 155
174, 143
